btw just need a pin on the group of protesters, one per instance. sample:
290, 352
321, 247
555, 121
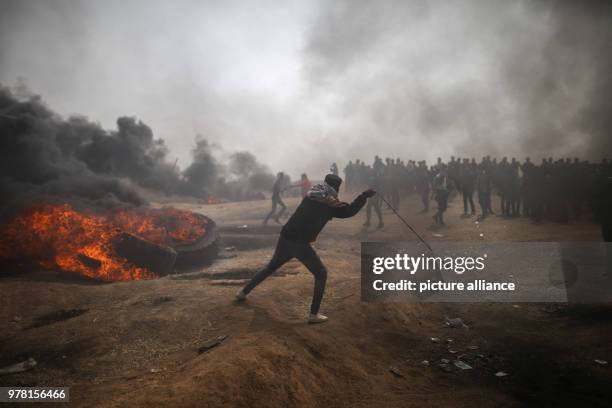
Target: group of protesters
555, 189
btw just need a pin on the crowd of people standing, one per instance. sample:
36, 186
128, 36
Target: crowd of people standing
558, 190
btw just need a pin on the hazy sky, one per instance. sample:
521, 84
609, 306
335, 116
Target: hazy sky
304, 83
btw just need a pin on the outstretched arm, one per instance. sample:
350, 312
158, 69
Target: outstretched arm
345, 210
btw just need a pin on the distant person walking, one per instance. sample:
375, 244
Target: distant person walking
276, 199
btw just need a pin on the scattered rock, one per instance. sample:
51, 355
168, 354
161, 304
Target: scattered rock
601, 362
425, 362
453, 351
155, 370
460, 364
434, 339
230, 248
501, 374
455, 323
444, 360
438, 235
212, 343
395, 371
445, 368
473, 348
19, 367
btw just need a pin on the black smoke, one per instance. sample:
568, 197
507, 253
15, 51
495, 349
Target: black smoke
468, 78
43, 155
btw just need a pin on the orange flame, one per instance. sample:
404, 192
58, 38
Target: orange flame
57, 236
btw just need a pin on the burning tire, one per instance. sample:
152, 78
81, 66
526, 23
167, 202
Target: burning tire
116, 245
201, 252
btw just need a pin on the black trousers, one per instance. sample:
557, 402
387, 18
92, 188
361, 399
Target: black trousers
276, 201
468, 194
285, 251
484, 199
373, 202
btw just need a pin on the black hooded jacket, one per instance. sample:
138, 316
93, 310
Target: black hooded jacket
312, 214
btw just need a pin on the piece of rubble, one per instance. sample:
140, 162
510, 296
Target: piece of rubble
601, 362
473, 347
19, 367
229, 282
460, 364
501, 374
395, 371
444, 360
434, 339
425, 362
455, 323
212, 343
445, 367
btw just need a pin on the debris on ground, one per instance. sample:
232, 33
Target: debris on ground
449, 341
501, 374
445, 367
455, 323
460, 364
161, 300
425, 362
243, 226
434, 339
444, 360
453, 351
56, 316
229, 282
438, 235
601, 362
472, 347
212, 343
155, 370
230, 248
395, 371
19, 367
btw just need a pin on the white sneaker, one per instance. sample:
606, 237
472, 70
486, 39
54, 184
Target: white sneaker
317, 318
241, 296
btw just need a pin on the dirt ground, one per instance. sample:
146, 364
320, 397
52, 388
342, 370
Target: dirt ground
137, 343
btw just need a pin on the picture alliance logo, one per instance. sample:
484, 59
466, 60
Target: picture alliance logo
412, 265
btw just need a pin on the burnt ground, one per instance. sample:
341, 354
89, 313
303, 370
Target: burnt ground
182, 341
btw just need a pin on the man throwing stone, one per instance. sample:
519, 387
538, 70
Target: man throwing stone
320, 205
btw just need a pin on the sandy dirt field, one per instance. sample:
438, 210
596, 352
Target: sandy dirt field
140, 343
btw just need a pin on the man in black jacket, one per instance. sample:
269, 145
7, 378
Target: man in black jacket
320, 205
